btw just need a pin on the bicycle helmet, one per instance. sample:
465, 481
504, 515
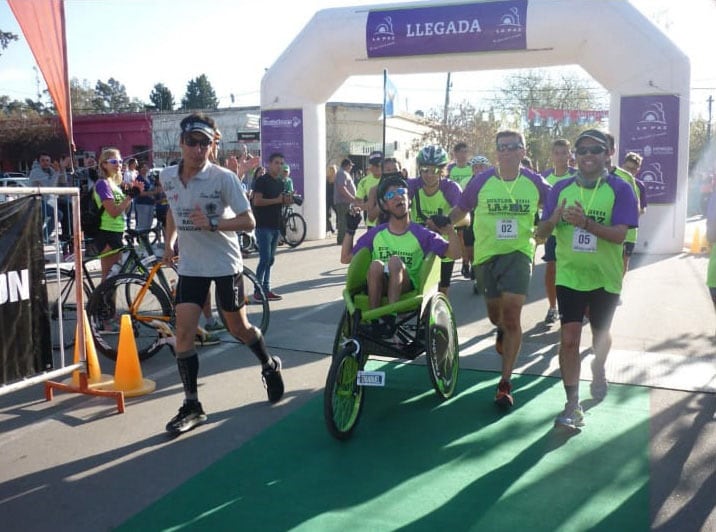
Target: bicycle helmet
432, 155
479, 159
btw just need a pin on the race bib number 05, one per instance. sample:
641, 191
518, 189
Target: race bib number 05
584, 241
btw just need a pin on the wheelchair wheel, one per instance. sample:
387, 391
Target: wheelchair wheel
441, 345
342, 397
343, 332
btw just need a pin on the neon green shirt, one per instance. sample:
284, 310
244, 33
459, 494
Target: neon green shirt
461, 174
504, 212
104, 187
626, 176
363, 189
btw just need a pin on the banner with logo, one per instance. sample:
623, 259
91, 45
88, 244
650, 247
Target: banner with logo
25, 348
650, 127
282, 132
478, 27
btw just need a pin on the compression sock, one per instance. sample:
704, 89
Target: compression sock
258, 347
188, 364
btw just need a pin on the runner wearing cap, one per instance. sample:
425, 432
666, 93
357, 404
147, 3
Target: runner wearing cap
368, 182
589, 214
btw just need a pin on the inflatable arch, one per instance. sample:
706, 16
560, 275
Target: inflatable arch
646, 74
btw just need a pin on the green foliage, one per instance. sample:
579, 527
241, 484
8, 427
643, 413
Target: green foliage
5, 38
162, 98
199, 95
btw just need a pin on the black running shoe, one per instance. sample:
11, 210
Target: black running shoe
273, 381
190, 415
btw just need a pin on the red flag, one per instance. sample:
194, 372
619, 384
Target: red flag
43, 24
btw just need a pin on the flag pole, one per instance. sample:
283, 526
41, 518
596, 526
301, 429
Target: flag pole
385, 97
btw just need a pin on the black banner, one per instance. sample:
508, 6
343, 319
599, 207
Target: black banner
25, 344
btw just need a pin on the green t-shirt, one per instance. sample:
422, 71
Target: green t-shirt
115, 224
363, 189
586, 262
430, 205
552, 178
711, 273
461, 174
626, 176
504, 212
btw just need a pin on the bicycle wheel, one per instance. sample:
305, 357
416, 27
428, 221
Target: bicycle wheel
62, 304
441, 345
295, 229
115, 297
258, 312
342, 397
246, 242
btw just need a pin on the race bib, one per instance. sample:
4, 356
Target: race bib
583, 241
506, 229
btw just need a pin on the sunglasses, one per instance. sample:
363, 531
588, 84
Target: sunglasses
594, 150
396, 192
115, 161
203, 142
509, 146
430, 169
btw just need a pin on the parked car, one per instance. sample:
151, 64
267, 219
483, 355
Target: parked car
12, 182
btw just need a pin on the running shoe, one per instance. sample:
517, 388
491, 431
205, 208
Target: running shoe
190, 415
498, 340
571, 417
273, 296
206, 338
257, 297
273, 382
598, 387
503, 398
465, 270
551, 317
214, 325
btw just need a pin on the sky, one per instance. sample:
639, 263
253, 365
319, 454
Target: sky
144, 42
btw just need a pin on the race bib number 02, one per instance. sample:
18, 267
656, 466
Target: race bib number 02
506, 229
584, 241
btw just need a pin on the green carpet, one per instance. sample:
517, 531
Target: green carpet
416, 464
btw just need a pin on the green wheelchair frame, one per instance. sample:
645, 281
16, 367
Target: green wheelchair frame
425, 324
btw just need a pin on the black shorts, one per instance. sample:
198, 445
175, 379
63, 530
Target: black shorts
574, 303
628, 249
229, 290
113, 239
468, 235
446, 268
550, 249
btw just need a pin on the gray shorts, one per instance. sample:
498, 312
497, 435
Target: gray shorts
505, 273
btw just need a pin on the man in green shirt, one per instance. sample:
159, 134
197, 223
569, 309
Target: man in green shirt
368, 182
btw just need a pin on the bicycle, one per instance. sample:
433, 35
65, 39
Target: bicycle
60, 282
293, 225
151, 310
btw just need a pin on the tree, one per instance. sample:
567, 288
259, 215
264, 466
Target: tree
537, 88
199, 94
162, 98
111, 97
82, 96
5, 38
698, 141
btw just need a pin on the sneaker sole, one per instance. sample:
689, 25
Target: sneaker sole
504, 402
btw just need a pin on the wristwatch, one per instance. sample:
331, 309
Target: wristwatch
213, 223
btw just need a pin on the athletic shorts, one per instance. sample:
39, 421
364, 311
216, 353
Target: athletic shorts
573, 304
504, 273
713, 294
229, 291
550, 249
628, 249
468, 235
113, 239
446, 268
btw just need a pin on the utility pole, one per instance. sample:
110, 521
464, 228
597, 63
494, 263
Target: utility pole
710, 101
447, 100
37, 84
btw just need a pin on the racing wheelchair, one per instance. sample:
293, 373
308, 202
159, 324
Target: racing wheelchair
425, 324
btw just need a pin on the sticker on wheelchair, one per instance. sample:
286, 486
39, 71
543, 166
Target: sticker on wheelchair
371, 378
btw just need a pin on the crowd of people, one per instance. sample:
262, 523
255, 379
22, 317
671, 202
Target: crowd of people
489, 212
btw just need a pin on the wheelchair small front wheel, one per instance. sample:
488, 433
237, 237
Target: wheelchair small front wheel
441, 345
342, 397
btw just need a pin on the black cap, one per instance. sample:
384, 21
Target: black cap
593, 134
346, 162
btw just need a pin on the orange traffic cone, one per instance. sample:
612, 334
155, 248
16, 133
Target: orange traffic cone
696, 240
95, 378
128, 373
